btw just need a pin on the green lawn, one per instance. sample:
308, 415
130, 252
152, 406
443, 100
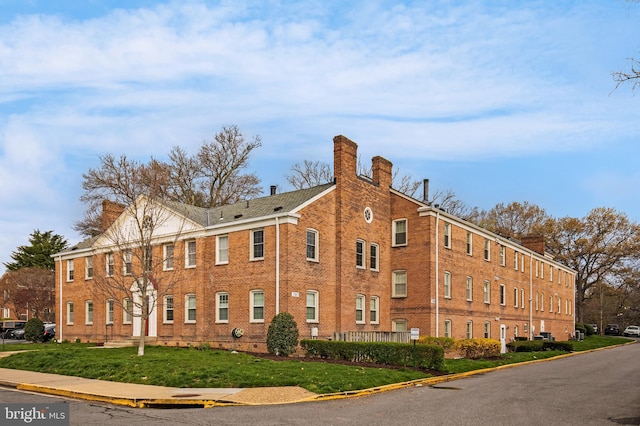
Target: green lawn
191, 368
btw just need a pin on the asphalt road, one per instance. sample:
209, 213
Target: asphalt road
598, 388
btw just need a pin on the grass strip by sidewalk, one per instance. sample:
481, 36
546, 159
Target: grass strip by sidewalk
191, 368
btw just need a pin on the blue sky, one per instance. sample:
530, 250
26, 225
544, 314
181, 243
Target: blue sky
498, 101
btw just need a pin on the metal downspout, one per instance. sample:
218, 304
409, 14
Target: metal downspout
277, 266
530, 297
59, 326
437, 274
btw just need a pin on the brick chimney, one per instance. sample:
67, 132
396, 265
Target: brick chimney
381, 168
110, 212
345, 157
534, 242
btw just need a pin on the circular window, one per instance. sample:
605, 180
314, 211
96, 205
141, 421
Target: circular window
368, 215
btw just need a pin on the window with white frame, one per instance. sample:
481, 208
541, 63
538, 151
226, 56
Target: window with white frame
487, 292
522, 299
110, 311
168, 309
70, 316
127, 315
522, 264
515, 331
542, 270
447, 328
447, 285
469, 289
559, 305
312, 306
503, 295
70, 271
167, 263
469, 329
147, 258
503, 255
126, 262
399, 325
257, 306
88, 312
559, 276
312, 245
551, 304
373, 256
222, 249
88, 267
374, 303
550, 273
190, 308
447, 235
399, 284
257, 244
190, 254
515, 297
222, 307
516, 255
487, 249
360, 254
487, 330
400, 232
537, 303
537, 268
360, 309
541, 302
469, 243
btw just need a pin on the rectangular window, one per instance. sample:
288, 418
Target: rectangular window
487, 330
503, 257
399, 284
400, 232
222, 304
469, 289
522, 299
312, 245
469, 329
190, 254
542, 270
503, 295
515, 260
312, 306
190, 308
257, 306
559, 305
487, 292
168, 309
537, 268
70, 270
469, 243
88, 267
127, 315
110, 310
550, 304
257, 244
447, 285
522, 264
147, 260
126, 261
360, 309
373, 310
70, 313
551, 273
447, 235
515, 297
487, 249
447, 328
373, 257
359, 254
541, 302
168, 257
222, 249
399, 325
88, 312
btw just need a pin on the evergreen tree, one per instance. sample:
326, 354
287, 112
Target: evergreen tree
38, 253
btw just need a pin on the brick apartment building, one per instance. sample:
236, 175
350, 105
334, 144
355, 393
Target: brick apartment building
350, 255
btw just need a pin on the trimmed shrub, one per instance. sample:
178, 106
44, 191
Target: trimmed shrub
34, 330
479, 348
282, 336
590, 331
581, 327
446, 343
525, 346
552, 345
385, 353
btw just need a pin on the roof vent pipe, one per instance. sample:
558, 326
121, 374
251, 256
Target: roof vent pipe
425, 189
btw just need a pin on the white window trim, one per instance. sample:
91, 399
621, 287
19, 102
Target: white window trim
487, 330
252, 305
363, 308
516, 297
316, 306
469, 289
396, 322
446, 329
127, 317
469, 247
218, 249
88, 312
394, 280
394, 232
166, 257
70, 313
219, 307
252, 249
446, 285
316, 245
187, 254
374, 307
70, 270
126, 260
165, 309
486, 252
503, 255
88, 267
469, 329
503, 295
110, 310
363, 243
522, 298
447, 235
109, 264
486, 289
188, 297
377, 257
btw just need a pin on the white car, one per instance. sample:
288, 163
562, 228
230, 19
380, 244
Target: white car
632, 330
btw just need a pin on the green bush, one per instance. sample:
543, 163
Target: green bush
385, 353
581, 327
589, 330
282, 335
446, 343
552, 345
525, 346
34, 330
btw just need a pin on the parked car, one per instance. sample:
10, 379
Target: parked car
612, 330
49, 332
8, 326
17, 334
632, 330
596, 329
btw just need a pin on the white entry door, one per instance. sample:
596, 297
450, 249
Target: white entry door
503, 339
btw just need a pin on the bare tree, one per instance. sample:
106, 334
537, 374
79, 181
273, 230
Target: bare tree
30, 290
514, 220
309, 174
632, 74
